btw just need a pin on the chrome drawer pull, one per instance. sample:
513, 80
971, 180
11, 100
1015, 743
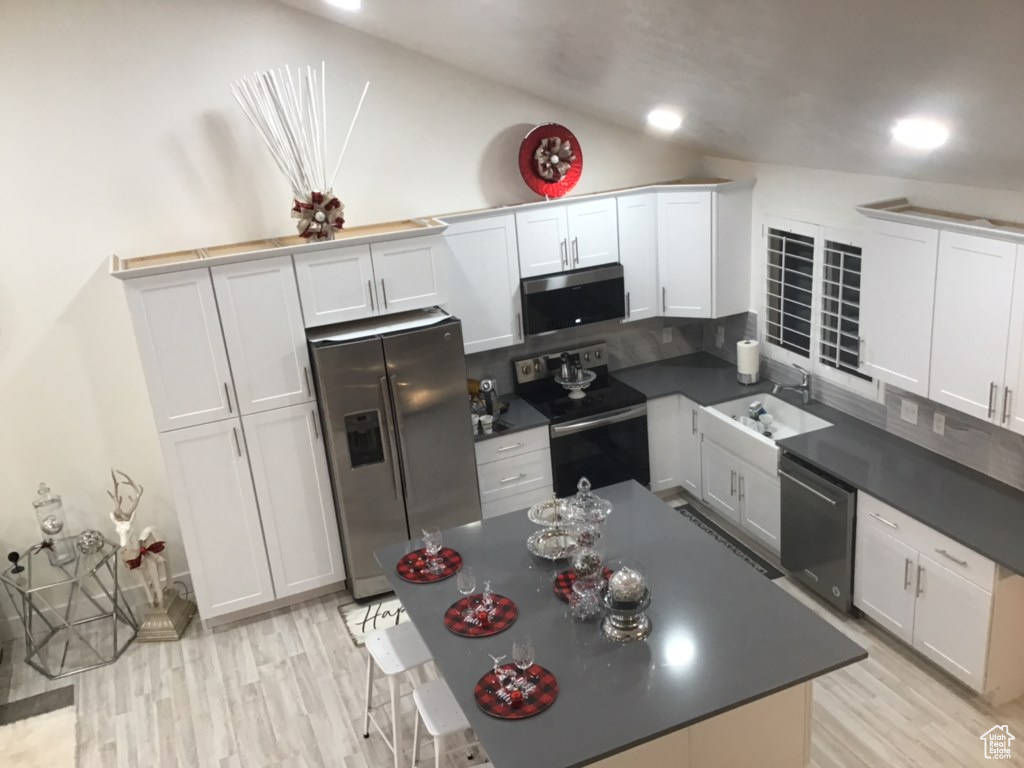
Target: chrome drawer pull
369, 292
920, 581
1007, 407
732, 483
906, 574
881, 519
510, 447
992, 399
946, 554
514, 477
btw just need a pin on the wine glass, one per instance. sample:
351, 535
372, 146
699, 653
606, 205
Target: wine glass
432, 543
466, 582
522, 653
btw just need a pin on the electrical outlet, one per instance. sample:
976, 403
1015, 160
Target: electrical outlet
908, 411
939, 423
666, 335
719, 336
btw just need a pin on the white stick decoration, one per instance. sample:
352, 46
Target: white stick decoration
348, 136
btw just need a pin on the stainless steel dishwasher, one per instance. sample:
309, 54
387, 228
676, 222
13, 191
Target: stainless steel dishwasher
818, 514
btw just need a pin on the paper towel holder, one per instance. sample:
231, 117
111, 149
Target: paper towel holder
747, 373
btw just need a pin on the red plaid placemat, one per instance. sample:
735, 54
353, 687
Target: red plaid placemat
413, 567
564, 582
502, 615
541, 690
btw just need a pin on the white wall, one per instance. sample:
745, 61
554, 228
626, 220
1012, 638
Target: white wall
120, 135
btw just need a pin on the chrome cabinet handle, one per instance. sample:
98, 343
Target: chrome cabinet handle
510, 447
992, 399
664, 299
316, 430
906, 574
564, 252
227, 396
238, 445
396, 476
694, 421
369, 292
881, 519
945, 554
309, 384
510, 479
628, 313
920, 581
519, 324
384, 292
1007, 407
732, 483
806, 487
742, 489
576, 251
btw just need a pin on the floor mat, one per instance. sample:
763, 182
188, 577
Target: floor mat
728, 541
361, 618
39, 732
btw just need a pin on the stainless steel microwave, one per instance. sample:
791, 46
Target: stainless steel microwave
572, 299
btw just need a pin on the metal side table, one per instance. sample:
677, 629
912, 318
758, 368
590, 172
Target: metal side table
75, 616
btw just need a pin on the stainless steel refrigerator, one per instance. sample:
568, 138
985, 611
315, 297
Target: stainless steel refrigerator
395, 413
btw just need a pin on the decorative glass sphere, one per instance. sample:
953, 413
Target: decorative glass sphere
586, 563
628, 584
89, 542
51, 525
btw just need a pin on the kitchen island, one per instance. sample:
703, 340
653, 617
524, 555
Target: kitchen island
723, 680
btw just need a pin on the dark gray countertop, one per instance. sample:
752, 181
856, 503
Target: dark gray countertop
979, 512
701, 376
519, 416
723, 636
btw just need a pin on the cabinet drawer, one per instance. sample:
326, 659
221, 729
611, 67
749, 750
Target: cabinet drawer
961, 560
516, 475
507, 446
516, 503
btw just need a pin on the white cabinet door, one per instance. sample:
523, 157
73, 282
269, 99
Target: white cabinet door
410, 273
483, 282
336, 285
884, 576
897, 298
1012, 404
684, 253
951, 626
973, 294
182, 349
220, 522
720, 480
664, 443
289, 470
689, 472
593, 232
638, 252
543, 236
761, 506
262, 321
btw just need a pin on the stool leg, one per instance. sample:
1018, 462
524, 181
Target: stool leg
438, 750
396, 726
416, 740
369, 686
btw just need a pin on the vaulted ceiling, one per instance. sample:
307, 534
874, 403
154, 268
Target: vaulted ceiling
815, 83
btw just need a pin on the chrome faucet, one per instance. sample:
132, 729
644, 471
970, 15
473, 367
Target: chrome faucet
804, 387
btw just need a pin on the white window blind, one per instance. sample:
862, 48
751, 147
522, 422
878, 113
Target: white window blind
839, 345
789, 288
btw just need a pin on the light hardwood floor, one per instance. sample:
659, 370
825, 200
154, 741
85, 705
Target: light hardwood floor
285, 690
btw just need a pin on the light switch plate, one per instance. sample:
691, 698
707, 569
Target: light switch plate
939, 423
719, 336
666, 335
908, 411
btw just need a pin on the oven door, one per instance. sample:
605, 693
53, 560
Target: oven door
607, 448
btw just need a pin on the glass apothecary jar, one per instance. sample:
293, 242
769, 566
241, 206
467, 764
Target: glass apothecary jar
49, 508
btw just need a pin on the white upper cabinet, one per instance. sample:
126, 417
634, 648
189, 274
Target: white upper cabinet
638, 251
593, 233
898, 270
182, 349
410, 274
293, 489
684, 253
220, 522
973, 294
336, 285
559, 238
483, 279
1012, 405
262, 321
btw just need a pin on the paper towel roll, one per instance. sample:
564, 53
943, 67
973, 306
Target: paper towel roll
747, 361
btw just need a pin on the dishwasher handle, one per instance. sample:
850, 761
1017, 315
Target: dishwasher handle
833, 493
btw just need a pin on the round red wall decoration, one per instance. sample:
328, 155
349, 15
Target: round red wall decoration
551, 160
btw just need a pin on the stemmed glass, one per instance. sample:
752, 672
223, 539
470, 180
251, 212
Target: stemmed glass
432, 543
522, 654
466, 582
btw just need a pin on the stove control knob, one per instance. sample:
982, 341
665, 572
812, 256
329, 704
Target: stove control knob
525, 369
597, 354
536, 367
586, 356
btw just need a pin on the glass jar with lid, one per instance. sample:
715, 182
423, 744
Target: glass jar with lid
49, 509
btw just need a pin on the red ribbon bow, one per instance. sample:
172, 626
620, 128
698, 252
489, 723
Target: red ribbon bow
155, 548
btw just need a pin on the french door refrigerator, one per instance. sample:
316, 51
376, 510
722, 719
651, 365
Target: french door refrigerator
393, 401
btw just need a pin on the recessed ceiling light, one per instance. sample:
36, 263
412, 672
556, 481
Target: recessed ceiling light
346, 5
667, 120
920, 133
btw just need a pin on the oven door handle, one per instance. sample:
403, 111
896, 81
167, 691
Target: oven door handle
613, 417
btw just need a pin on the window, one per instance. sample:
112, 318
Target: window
839, 345
790, 291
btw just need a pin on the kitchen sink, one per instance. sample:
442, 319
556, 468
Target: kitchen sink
788, 420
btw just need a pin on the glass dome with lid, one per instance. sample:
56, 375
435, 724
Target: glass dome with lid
586, 506
50, 515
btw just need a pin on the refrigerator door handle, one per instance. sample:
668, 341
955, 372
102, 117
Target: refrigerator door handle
400, 429
396, 476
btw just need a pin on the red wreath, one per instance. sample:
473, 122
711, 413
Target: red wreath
535, 159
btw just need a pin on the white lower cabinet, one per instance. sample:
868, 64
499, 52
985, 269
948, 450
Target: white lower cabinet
718, 471
514, 471
674, 444
293, 490
220, 522
884, 578
745, 495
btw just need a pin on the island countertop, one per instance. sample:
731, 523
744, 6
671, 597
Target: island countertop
723, 636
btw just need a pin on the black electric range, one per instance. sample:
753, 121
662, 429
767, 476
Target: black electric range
602, 435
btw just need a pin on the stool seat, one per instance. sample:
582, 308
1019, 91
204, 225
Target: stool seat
397, 649
436, 704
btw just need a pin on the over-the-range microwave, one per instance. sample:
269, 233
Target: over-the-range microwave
571, 299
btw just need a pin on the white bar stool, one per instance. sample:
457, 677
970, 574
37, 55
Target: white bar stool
441, 716
393, 651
